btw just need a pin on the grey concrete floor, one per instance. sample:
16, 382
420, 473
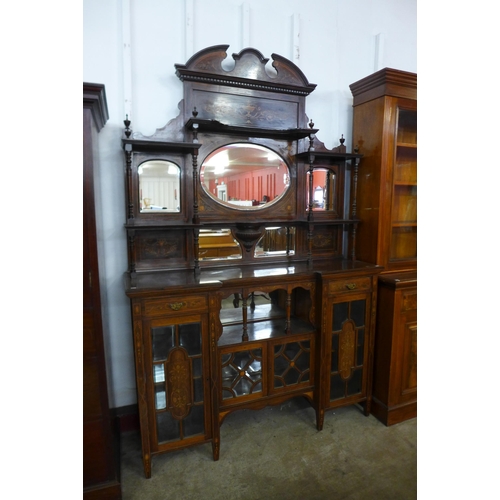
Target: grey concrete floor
277, 453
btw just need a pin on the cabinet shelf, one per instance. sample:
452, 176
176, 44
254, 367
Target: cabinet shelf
264, 330
261, 313
321, 156
145, 145
410, 145
404, 224
405, 183
219, 127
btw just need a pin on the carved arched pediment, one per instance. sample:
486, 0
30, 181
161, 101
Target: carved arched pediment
249, 71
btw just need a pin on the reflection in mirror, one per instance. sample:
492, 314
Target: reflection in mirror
276, 241
218, 244
258, 299
245, 176
159, 186
324, 189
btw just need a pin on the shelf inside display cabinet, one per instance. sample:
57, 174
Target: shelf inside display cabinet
264, 315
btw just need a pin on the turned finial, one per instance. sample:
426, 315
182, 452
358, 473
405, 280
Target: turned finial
195, 125
128, 130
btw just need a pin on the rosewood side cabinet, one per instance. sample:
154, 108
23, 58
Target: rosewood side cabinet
244, 284
385, 130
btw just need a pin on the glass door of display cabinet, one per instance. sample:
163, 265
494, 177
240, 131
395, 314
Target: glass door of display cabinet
291, 364
348, 348
403, 238
177, 381
243, 373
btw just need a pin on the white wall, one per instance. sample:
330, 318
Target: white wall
131, 47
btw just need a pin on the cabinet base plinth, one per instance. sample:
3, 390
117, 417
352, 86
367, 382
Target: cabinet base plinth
394, 414
106, 491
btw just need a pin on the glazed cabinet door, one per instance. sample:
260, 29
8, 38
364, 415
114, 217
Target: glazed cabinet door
177, 381
347, 343
402, 236
174, 395
266, 369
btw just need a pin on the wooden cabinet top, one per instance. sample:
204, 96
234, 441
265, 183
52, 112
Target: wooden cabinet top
94, 98
170, 282
386, 82
399, 280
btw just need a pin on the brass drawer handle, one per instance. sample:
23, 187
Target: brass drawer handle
175, 306
351, 286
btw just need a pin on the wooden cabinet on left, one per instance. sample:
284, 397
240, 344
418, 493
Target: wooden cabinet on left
172, 367
100, 457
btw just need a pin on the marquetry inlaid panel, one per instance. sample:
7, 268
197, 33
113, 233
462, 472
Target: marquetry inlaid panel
325, 240
347, 349
245, 111
179, 392
161, 245
409, 301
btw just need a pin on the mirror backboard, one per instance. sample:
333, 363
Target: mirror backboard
324, 190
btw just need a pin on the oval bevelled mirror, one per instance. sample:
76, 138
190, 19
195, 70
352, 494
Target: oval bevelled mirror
245, 176
159, 186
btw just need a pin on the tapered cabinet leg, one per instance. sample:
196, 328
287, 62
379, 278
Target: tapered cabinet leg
320, 418
147, 466
216, 448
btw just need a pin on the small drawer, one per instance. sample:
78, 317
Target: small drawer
350, 285
175, 305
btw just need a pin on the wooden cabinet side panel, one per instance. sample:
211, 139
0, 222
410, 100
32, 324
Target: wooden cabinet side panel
384, 347
100, 465
372, 133
409, 372
405, 332
140, 375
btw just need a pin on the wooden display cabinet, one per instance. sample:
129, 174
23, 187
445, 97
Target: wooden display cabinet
385, 130
241, 241
172, 365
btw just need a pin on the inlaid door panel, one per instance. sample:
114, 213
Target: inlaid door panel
178, 383
347, 348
